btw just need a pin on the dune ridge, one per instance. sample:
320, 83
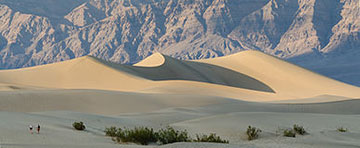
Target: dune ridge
221, 95
248, 75
172, 69
154, 60
284, 77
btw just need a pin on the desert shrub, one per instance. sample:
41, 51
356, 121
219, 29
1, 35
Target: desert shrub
252, 133
111, 131
79, 126
114, 133
210, 138
289, 133
139, 135
144, 136
342, 129
299, 129
170, 135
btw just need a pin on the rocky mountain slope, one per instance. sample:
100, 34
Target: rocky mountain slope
321, 35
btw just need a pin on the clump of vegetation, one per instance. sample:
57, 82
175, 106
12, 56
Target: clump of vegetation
111, 131
210, 138
114, 133
252, 133
170, 135
139, 135
79, 126
342, 129
145, 136
289, 133
299, 129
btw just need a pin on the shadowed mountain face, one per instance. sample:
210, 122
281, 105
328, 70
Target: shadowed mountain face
46, 8
312, 33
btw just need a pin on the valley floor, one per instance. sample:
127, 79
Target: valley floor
229, 119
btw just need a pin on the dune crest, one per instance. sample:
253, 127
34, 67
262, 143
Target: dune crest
248, 75
156, 59
221, 95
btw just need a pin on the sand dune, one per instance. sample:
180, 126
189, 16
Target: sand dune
222, 95
114, 103
15, 87
98, 101
238, 76
172, 69
283, 77
82, 73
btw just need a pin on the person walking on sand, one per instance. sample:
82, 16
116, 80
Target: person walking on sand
38, 129
31, 128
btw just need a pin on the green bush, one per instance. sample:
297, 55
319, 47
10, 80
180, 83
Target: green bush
144, 136
342, 129
170, 135
117, 134
210, 138
299, 129
111, 131
139, 135
252, 133
79, 126
289, 133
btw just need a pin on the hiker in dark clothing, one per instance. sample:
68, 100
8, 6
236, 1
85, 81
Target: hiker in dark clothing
38, 129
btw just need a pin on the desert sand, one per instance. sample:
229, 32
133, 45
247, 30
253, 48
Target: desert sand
221, 95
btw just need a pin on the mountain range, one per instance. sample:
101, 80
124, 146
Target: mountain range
321, 35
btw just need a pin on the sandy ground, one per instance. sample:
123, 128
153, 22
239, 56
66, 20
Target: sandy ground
221, 95
228, 121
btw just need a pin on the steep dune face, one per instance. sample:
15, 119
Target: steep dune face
283, 77
154, 60
173, 69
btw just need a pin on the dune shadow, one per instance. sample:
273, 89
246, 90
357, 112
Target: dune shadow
173, 69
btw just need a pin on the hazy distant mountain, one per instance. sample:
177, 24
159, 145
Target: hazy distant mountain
323, 35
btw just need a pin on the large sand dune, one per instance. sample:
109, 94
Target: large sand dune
283, 77
222, 95
249, 75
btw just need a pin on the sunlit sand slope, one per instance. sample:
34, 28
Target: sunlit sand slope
82, 73
248, 75
283, 77
203, 96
